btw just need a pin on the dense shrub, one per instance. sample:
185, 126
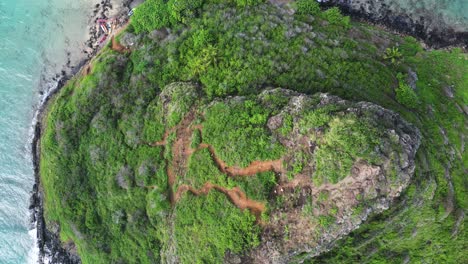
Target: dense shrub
156, 14
152, 14
183, 10
410, 47
393, 55
244, 3
226, 120
405, 95
307, 7
334, 16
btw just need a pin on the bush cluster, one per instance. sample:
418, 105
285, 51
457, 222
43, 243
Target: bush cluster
405, 95
156, 14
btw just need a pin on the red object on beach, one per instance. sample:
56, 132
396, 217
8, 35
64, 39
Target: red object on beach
104, 28
101, 20
103, 39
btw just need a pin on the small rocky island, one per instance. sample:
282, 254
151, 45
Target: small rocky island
254, 132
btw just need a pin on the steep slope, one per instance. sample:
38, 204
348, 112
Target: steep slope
301, 170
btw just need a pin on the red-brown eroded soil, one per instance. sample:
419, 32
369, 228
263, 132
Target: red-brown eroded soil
181, 152
116, 46
235, 195
253, 168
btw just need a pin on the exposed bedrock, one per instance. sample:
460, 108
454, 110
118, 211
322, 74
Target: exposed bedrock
342, 162
315, 214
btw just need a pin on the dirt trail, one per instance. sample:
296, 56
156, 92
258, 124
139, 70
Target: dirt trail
235, 195
362, 176
182, 144
185, 123
181, 152
116, 46
253, 168
163, 141
87, 68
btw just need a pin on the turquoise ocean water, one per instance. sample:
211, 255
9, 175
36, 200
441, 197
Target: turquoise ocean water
35, 37
453, 13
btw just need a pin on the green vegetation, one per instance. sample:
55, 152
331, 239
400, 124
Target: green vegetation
325, 221
347, 140
405, 95
243, 122
151, 15
205, 239
307, 7
287, 126
393, 55
226, 61
424, 229
334, 16
156, 14
108, 188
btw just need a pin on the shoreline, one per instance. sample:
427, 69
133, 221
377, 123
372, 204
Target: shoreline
440, 38
48, 242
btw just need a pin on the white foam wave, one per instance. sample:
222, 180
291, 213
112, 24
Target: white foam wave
33, 254
50, 87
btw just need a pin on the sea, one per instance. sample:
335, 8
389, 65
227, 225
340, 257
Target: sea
453, 13
37, 38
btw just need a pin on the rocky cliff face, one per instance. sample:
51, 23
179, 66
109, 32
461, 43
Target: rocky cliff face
311, 215
342, 162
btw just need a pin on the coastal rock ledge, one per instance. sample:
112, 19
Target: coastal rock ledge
414, 19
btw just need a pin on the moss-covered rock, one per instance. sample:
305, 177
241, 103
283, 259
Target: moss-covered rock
252, 179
